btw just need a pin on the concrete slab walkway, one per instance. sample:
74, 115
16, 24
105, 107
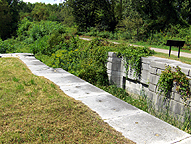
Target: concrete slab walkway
134, 123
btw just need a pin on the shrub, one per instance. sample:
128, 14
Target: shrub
169, 78
2, 47
23, 28
40, 29
7, 46
133, 57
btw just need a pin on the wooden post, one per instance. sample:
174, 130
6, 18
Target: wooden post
169, 51
175, 43
179, 52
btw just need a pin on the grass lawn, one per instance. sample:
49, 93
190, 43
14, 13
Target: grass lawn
149, 45
173, 57
35, 110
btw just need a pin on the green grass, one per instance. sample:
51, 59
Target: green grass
149, 45
34, 110
173, 57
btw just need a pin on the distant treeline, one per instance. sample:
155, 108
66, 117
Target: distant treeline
141, 17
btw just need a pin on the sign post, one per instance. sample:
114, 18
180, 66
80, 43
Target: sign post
175, 43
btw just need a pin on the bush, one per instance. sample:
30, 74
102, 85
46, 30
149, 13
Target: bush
23, 28
7, 46
83, 59
2, 47
133, 57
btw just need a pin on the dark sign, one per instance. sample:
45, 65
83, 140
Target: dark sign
175, 43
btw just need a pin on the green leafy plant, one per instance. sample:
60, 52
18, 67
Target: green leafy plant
170, 78
133, 57
182, 83
165, 82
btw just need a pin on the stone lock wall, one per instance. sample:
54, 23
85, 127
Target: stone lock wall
147, 83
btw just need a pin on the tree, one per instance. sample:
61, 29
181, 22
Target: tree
91, 13
40, 12
183, 9
158, 14
14, 11
5, 19
25, 10
9, 18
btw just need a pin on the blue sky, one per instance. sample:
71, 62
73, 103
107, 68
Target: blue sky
44, 1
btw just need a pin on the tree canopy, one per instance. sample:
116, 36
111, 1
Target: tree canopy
151, 15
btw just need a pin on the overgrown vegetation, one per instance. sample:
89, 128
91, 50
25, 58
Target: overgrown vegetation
170, 78
34, 110
133, 58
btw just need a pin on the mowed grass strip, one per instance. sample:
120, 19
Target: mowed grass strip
35, 110
173, 57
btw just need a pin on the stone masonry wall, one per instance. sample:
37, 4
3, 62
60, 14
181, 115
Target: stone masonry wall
147, 84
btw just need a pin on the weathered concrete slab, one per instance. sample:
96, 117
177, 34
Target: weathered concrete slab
81, 90
108, 106
33, 62
63, 78
143, 128
184, 141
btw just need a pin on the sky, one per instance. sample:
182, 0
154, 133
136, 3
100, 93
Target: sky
44, 1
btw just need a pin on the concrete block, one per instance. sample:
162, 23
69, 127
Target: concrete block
145, 76
153, 71
152, 87
159, 65
145, 66
131, 74
146, 60
123, 67
115, 73
109, 71
152, 97
189, 81
146, 82
178, 98
159, 71
111, 54
179, 108
154, 79
116, 60
174, 87
162, 103
109, 65
109, 77
185, 70
124, 74
173, 106
115, 80
109, 59
116, 67
189, 102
